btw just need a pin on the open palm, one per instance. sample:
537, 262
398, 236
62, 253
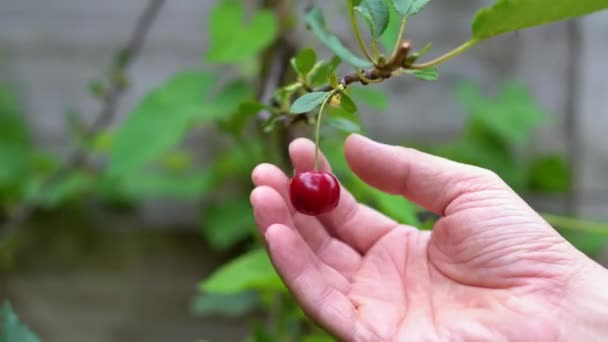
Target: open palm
491, 270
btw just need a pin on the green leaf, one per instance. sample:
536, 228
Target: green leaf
408, 8
396, 207
376, 14
65, 189
229, 305
512, 15
428, 74
416, 55
343, 120
308, 102
304, 61
588, 243
317, 25
344, 124
159, 121
317, 338
550, 174
12, 329
512, 115
370, 96
228, 222
251, 271
182, 186
391, 34
347, 103
227, 101
236, 122
232, 39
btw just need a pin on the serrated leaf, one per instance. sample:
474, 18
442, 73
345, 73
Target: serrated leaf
229, 305
317, 25
512, 15
234, 40
12, 328
428, 74
347, 103
304, 61
308, 102
250, 271
376, 14
372, 97
159, 121
408, 8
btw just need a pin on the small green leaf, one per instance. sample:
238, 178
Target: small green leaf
229, 305
233, 40
408, 8
376, 14
159, 121
550, 174
512, 15
12, 328
317, 25
304, 61
347, 103
308, 102
428, 74
416, 55
251, 271
372, 97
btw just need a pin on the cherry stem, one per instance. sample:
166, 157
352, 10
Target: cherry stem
318, 127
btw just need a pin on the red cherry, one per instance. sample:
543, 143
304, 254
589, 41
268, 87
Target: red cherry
314, 193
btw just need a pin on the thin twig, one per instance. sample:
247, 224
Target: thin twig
109, 105
376, 74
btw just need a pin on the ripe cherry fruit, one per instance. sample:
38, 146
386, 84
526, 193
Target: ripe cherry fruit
314, 192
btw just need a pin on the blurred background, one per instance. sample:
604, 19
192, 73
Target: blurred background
115, 206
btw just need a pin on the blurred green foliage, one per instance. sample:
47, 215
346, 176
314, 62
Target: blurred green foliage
151, 154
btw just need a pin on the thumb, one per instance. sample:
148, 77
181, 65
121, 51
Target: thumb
432, 182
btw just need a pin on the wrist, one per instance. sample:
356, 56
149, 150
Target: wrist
586, 306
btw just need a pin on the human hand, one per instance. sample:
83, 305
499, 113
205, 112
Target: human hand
491, 270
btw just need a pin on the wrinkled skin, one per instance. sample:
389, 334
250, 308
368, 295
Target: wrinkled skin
491, 270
